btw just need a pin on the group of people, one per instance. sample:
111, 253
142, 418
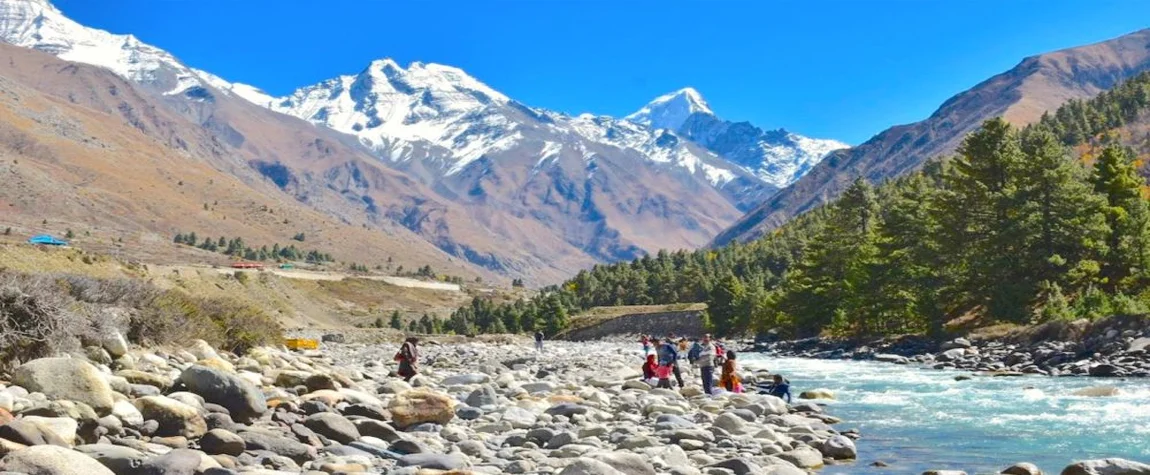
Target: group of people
662, 363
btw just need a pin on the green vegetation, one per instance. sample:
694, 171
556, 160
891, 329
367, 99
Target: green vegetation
1014, 228
238, 248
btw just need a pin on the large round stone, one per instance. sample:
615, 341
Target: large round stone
175, 417
419, 405
51, 460
332, 426
68, 379
243, 400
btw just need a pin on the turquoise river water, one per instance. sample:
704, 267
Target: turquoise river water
915, 419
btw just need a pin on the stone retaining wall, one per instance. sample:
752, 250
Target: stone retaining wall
686, 323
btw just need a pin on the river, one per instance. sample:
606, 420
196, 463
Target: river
915, 419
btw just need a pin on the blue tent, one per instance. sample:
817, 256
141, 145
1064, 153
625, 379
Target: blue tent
47, 240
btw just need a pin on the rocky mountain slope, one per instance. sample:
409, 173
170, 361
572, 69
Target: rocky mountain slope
83, 149
1038, 84
428, 149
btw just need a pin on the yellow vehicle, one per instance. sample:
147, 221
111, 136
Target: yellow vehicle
301, 344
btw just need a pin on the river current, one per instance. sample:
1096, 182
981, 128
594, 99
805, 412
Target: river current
915, 419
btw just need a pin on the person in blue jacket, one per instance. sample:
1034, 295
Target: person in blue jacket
781, 388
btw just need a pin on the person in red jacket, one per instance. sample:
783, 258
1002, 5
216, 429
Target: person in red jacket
649, 368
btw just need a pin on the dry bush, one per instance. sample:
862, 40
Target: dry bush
36, 318
175, 317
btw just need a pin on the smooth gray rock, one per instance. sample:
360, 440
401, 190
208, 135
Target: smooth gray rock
52, 460
69, 379
626, 462
839, 448
279, 445
222, 442
1024, 468
332, 426
176, 462
377, 429
433, 461
566, 409
1110, 466
738, 465
243, 400
117, 458
588, 466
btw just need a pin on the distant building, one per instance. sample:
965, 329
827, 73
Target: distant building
46, 240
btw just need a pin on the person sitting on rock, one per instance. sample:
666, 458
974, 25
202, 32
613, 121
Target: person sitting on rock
729, 379
408, 358
780, 388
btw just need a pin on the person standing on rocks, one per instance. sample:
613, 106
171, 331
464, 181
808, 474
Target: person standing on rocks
408, 358
729, 380
672, 354
539, 341
706, 363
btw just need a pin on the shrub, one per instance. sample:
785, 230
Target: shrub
35, 318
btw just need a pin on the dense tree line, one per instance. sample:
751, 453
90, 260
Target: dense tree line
238, 248
1013, 228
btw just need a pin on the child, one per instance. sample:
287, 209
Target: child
729, 380
649, 368
663, 372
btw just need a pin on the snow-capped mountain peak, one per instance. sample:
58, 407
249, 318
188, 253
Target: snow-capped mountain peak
37, 24
670, 111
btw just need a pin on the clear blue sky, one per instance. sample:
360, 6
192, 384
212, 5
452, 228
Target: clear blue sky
841, 69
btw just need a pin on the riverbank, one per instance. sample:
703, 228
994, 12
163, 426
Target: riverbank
1113, 347
477, 407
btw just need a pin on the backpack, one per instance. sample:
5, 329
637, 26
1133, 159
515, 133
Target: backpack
696, 351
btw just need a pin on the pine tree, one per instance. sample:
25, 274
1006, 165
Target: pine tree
1126, 257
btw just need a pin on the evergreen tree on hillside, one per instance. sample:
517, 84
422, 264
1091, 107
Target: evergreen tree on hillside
395, 321
1061, 214
1127, 251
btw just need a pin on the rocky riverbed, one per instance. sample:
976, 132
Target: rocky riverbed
1115, 347
477, 407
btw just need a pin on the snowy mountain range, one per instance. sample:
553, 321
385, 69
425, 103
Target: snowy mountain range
432, 111
671, 175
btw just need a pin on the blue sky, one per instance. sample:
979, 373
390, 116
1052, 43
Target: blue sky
840, 69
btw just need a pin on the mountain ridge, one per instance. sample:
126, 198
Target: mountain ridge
1037, 84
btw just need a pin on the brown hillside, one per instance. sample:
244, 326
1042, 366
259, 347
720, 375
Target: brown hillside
82, 149
1038, 84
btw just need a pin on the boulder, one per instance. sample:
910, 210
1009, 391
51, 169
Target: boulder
1110, 466
466, 379
222, 442
420, 405
51, 460
817, 394
115, 344
588, 466
174, 417
128, 414
738, 465
839, 448
332, 426
278, 444
483, 396
144, 377
1023, 468
26, 433
117, 458
433, 461
804, 457
377, 429
244, 401
566, 409
626, 462
68, 379
1104, 370
730, 423
176, 462
62, 426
